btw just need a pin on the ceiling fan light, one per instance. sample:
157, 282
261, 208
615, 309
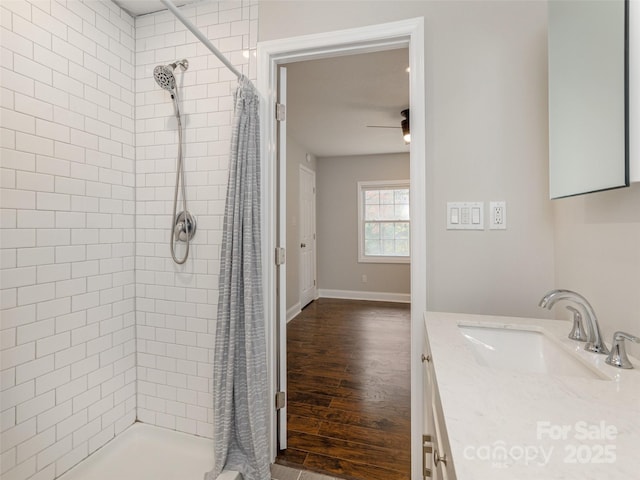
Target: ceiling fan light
406, 130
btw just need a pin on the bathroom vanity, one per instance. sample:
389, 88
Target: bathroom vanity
514, 398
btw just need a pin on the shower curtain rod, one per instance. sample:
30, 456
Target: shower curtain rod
199, 35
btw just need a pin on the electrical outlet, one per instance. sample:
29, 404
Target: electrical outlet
497, 215
364, 279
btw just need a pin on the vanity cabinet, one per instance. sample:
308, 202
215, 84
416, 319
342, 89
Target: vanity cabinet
493, 421
437, 461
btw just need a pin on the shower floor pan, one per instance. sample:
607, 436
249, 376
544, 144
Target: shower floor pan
145, 452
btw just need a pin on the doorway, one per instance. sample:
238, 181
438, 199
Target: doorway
367, 39
348, 382
307, 221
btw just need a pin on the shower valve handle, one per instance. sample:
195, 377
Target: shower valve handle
185, 225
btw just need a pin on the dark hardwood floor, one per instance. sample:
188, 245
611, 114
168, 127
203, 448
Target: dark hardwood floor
349, 390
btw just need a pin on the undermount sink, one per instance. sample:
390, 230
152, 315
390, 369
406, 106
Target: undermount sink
524, 350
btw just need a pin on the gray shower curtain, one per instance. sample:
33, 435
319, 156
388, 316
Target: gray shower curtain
240, 387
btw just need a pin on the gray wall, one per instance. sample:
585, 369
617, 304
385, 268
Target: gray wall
337, 222
598, 255
296, 156
486, 111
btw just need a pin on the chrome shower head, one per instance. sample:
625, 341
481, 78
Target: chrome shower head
164, 77
164, 74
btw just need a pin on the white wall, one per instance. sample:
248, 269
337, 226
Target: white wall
68, 361
486, 108
177, 305
69, 178
296, 156
337, 213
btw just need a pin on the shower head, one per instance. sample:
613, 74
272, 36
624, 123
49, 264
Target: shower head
164, 77
164, 74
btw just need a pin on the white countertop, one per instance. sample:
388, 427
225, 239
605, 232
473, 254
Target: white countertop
545, 418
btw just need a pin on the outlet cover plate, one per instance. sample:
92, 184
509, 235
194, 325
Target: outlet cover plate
497, 215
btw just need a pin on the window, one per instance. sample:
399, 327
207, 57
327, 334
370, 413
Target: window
383, 222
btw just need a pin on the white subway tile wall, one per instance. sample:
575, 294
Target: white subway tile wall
177, 305
68, 376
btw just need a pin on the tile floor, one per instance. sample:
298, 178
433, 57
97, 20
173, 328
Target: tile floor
280, 472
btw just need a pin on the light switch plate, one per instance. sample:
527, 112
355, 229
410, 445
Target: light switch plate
465, 216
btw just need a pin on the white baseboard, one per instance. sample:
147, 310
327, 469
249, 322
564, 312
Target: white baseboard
293, 311
372, 296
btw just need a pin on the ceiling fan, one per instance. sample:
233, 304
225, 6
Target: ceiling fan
404, 125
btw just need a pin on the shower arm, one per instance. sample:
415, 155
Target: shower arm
200, 36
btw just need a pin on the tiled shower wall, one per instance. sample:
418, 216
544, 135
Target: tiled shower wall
68, 199
176, 305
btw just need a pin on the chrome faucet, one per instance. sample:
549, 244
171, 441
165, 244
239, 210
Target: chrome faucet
618, 356
577, 332
594, 341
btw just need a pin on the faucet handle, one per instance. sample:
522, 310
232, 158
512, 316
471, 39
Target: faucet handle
618, 356
577, 331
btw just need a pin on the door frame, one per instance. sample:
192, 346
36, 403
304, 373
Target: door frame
302, 168
270, 54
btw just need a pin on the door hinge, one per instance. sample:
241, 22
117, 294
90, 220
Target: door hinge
427, 450
314, 283
281, 400
281, 256
281, 112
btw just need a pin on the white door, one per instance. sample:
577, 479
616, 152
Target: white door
281, 300
307, 224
